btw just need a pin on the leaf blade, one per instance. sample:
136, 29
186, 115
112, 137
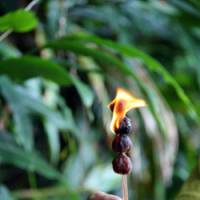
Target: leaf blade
79, 48
13, 154
152, 64
18, 21
27, 67
5, 194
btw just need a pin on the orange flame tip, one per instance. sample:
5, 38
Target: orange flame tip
121, 104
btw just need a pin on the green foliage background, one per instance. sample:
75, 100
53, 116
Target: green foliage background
59, 67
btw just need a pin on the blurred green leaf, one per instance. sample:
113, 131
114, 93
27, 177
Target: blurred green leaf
151, 63
18, 21
71, 167
23, 129
107, 180
50, 114
8, 51
53, 15
52, 193
191, 189
78, 48
86, 156
84, 91
5, 194
186, 7
31, 66
167, 30
23, 104
53, 140
13, 154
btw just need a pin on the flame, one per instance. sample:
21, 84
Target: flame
121, 104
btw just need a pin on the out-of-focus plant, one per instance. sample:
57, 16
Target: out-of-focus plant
57, 79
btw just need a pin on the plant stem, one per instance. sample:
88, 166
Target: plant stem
124, 188
32, 182
9, 31
31, 5
5, 34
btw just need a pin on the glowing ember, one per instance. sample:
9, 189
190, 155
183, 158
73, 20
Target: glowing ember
121, 104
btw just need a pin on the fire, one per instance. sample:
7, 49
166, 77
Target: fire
121, 104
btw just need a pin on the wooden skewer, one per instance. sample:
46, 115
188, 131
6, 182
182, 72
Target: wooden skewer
124, 188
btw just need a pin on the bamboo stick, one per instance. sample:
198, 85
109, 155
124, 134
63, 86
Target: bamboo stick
124, 188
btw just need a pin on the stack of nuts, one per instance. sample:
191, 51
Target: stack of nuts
121, 145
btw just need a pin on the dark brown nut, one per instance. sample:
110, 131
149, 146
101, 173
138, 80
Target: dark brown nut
122, 164
121, 143
125, 126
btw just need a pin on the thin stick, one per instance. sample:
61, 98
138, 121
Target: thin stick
31, 4
28, 7
5, 34
124, 188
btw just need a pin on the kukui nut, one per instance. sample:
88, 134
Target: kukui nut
125, 126
122, 164
121, 143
